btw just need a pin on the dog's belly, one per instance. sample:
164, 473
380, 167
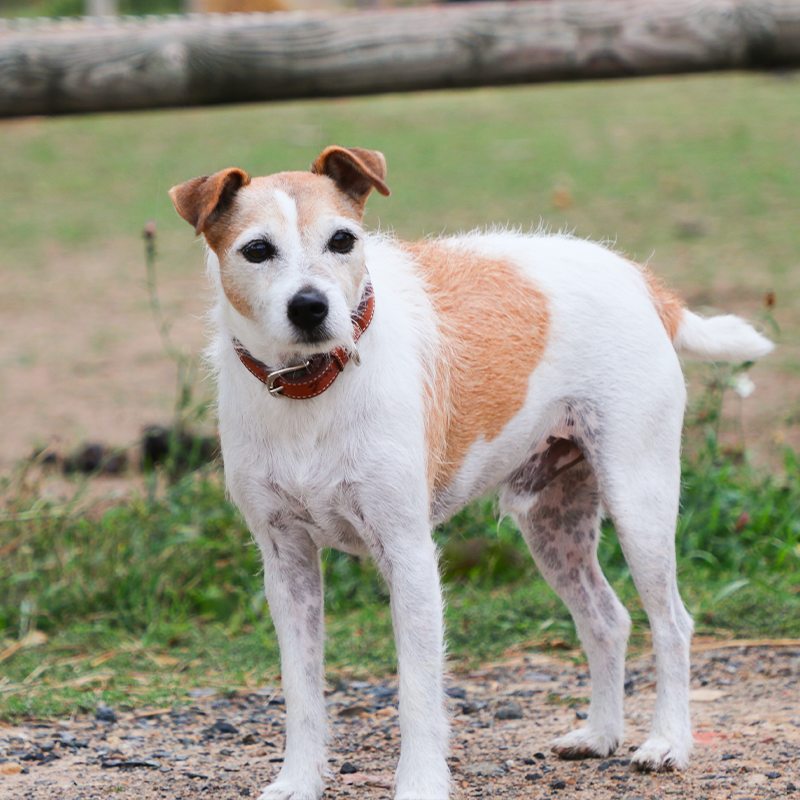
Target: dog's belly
546, 461
564, 435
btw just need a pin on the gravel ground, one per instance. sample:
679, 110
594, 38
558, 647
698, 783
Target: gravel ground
745, 712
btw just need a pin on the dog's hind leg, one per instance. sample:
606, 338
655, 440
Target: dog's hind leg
558, 512
641, 495
293, 583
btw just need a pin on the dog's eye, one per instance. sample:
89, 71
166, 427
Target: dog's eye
341, 242
259, 250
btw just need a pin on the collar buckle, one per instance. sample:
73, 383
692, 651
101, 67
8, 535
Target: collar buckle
276, 373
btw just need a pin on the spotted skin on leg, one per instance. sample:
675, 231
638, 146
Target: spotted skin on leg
556, 504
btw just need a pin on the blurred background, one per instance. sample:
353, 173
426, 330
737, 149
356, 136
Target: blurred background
698, 175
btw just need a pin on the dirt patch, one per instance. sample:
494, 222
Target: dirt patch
83, 360
745, 715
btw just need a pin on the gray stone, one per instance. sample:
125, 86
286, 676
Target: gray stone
509, 711
485, 768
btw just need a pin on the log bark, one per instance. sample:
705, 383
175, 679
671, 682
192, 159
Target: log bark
140, 63
101, 8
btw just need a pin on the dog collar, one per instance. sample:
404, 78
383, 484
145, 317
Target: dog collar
312, 378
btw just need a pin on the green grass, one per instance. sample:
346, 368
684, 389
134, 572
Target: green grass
161, 593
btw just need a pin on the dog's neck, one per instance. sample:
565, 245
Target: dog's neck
304, 381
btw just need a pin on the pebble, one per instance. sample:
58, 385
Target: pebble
509, 711
353, 711
131, 763
105, 713
484, 768
540, 677
222, 726
382, 692
348, 769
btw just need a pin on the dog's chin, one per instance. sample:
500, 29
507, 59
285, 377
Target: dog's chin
322, 340
304, 347
306, 344
313, 341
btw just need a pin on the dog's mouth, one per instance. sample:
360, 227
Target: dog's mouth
317, 339
311, 347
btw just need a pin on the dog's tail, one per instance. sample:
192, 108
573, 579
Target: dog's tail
723, 338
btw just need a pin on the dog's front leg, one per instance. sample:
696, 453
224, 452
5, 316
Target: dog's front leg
293, 584
409, 564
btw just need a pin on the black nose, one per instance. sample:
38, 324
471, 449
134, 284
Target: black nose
307, 309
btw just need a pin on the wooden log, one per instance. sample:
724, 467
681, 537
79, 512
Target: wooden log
136, 63
101, 8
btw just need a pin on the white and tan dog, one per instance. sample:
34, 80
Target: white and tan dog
541, 365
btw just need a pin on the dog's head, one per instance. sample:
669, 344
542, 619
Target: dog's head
290, 246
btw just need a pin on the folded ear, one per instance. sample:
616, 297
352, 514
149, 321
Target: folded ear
355, 171
201, 200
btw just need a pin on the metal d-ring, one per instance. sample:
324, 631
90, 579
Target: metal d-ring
276, 373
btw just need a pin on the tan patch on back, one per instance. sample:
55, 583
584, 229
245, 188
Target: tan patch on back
493, 323
668, 305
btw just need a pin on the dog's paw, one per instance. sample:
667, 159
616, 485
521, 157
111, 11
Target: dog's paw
426, 784
659, 755
283, 789
584, 743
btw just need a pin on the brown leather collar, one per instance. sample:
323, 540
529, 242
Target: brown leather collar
303, 381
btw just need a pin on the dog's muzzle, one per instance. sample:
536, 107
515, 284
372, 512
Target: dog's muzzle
311, 378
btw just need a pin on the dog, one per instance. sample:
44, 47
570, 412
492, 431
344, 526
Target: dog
369, 388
